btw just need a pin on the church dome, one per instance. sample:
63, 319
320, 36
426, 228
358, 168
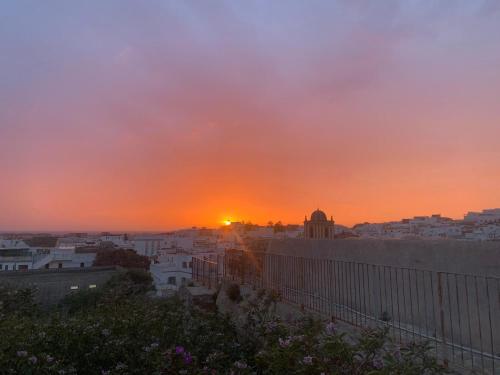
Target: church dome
318, 215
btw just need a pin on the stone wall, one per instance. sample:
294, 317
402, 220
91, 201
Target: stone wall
53, 285
469, 257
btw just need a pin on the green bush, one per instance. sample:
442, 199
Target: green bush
126, 258
19, 301
81, 300
124, 285
133, 334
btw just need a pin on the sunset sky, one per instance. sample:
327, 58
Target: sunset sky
154, 115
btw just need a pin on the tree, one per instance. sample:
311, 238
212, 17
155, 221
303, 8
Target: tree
121, 257
279, 227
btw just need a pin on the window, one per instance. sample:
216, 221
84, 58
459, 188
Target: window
82, 265
184, 264
183, 280
190, 264
23, 267
74, 287
311, 233
6, 268
92, 286
171, 280
326, 232
59, 265
47, 266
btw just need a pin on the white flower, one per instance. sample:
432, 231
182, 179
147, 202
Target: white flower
105, 332
240, 364
22, 353
307, 360
120, 366
33, 359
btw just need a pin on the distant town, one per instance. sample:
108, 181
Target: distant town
170, 254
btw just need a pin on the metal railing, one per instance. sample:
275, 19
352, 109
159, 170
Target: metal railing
207, 272
458, 314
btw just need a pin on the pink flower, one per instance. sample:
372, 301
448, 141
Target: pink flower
179, 349
187, 358
285, 343
397, 354
330, 328
308, 360
378, 363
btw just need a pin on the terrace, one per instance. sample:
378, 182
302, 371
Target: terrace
456, 313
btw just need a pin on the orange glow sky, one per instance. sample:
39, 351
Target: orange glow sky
126, 115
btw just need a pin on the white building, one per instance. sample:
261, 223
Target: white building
23, 258
149, 245
172, 270
15, 255
369, 230
72, 242
484, 232
486, 216
119, 240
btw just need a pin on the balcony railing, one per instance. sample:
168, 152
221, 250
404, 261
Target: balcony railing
207, 272
458, 314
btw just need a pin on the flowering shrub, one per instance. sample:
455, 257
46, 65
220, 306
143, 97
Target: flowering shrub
134, 334
14, 300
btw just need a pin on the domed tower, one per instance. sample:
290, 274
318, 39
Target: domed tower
319, 227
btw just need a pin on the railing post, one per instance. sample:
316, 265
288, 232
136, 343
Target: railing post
242, 267
209, 275
441, 317
203, 273
193, 269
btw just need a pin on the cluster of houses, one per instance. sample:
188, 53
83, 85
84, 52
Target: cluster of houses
171, 253
476, 226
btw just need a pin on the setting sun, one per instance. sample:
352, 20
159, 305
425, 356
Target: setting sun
227, 222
